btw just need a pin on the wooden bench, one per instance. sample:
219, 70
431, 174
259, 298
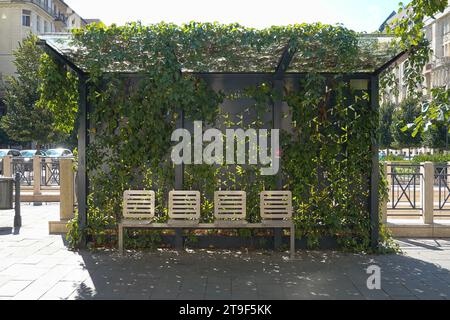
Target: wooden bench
229, 212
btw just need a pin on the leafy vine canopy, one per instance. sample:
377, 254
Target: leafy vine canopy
213, 47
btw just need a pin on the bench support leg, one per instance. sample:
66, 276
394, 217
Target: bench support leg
179, 239
120, 238
292, 242
277, 238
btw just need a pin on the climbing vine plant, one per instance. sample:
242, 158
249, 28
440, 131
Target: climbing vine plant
330, 153
326, 152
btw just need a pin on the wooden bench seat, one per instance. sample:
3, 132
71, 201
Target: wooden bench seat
229, 212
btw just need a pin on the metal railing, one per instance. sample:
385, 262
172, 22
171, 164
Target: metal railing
50, 172
442, 174
405, 184
43, 179
418, 191
60, 17
24, 167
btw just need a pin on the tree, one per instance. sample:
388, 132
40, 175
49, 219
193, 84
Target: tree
402, 127
4, 139
385, 135
435, 119
436, 136
24, 120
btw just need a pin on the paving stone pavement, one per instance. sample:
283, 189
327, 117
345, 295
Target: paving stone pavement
35, 265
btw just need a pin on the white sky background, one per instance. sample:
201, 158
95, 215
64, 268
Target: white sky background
359, 15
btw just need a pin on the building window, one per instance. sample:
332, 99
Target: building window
447, 50
26, 18
46, 26
446, 28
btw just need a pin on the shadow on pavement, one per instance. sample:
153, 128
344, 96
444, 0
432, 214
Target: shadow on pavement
226, 275
421, 244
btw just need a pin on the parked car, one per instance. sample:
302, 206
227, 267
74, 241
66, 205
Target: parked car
59, 153
9, 152
32, 153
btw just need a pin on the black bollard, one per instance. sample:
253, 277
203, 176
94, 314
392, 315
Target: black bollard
17, 216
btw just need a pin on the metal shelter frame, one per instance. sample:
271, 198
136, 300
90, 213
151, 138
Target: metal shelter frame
277, 78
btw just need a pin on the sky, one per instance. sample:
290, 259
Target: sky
359, 15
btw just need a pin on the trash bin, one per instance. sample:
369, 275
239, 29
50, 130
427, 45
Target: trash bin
6, 193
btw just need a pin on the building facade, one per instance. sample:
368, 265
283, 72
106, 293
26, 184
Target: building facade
437, 71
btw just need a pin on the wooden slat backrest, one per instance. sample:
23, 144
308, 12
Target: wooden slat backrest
230, 205
139, 204
276, 205
184, 205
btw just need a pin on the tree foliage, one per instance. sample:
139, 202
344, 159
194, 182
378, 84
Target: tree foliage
25, 121
58, 94
384, 129
402, 128
436, 136
435, 117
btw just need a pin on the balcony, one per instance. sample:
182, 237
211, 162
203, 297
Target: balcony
60, 21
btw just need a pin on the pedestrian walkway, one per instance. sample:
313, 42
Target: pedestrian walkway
35, 265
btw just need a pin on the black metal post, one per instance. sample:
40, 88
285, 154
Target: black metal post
179, 185
179, 169
277, 106
277, 109
82, 180
375, 175
17, 215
